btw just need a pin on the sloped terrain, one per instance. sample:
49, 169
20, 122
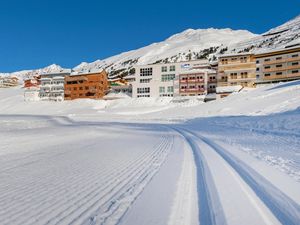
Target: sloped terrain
231, 161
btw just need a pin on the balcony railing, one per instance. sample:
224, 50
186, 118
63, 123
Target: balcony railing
192, 90
192, 81
271, 62
283, 76
283, 68
212, 81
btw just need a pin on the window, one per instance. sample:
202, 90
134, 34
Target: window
143, 90
224, 61
80, 88
278, 58
267, 60
243, 59
257, 69
146, 72
295, 71
233, 75
257, 61
164, 69
86, 88
172, 68
167, 77
143, 96
267, 67
142, 81
277, 66
170, 89
294, 56
267, 74
244, 74
279, 73
295, 63
162, 89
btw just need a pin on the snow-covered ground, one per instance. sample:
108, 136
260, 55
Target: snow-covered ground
152, 161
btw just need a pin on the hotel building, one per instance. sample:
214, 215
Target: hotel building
278, 66
236, 70
157, 80
52, 86
196, 82
92, 85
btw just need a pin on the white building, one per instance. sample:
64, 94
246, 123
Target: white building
32, 94
52, 86
157, 80
7, 82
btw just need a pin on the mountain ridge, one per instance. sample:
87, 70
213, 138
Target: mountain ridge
187, 45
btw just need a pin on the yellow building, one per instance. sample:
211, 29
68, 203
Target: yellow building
276, 66
235, 71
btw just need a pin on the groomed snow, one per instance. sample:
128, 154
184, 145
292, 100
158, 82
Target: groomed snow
152, 161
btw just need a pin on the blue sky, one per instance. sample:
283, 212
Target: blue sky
36, 33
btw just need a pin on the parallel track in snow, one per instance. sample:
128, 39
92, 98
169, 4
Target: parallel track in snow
267, 196
104, 202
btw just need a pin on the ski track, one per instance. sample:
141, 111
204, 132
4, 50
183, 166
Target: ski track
280, 205
102, 195
104, 202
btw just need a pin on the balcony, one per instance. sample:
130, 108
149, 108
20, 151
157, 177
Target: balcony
282, 77
283, 68
189, 90
212, 81
281, 61
192, 81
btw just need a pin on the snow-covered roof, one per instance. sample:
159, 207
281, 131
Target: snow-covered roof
58, 78
235, 54
84, 72
58, 73
45, 78
229, 89
277, 50
191, 71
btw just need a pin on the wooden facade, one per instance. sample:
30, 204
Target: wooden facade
278, 66
236, 70
90, 85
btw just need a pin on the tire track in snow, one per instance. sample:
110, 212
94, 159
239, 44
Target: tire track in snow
208, 202
283, 208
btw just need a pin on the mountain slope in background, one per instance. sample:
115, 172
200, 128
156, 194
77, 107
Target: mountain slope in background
285, 35
188, 45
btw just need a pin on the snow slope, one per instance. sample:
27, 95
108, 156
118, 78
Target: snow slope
285, 35
176, 48
131, 162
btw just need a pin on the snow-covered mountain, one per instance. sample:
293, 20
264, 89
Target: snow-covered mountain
29, 73
285, 35
189, 44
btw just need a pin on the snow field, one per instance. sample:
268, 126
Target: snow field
81, 183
